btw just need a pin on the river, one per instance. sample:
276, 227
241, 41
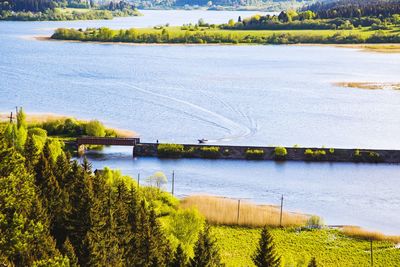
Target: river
255, 95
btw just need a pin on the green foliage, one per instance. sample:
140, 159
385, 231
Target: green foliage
180, 258
209, 151
206, 251
317, 154
280, 152
69, 252
331, 150
265, 254
158, 179
315, 221
95, 128
292, 35
183, 227
296, 247
254, 153
53, 262
170, 150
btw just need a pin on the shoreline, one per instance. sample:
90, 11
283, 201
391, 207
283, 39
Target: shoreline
366, 47
38, 117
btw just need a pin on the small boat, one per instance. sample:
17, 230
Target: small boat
202, 141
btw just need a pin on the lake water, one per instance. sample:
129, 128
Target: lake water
255, 95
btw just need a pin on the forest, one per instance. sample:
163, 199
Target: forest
58, 10
57, 211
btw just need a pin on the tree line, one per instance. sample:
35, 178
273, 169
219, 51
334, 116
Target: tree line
219, 37
355, 8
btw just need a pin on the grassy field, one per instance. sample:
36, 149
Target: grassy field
330, 247
71, 10
177, 31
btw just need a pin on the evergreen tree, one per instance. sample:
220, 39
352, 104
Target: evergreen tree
313, 262
265, 255
68, 251
180, 258
24, 236
79, 189
102, 236
152, 248
206, 252
31, 153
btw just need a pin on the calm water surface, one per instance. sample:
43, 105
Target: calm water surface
256, 95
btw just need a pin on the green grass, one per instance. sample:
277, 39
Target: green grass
70, 10
177, 31
329, 247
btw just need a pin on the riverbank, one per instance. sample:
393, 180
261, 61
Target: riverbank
378, 48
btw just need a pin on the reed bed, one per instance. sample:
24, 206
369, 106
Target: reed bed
224, 211
358, 232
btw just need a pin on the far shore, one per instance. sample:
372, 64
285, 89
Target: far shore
379, 48
33, 118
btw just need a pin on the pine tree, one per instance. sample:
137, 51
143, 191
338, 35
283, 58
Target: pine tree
69, 251
152, 248
31, 153
122, 214
130, 252
180, 258
265, 255
313, 262
102, 236
78, 221
24, 235
87, 166
206, 252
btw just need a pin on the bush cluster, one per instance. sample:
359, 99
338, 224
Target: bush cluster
316, 154
209, 151
280, 153
254, 153
170, 150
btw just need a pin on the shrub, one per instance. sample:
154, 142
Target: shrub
373, 156
170, 150
209, 151
95, 128
315, 222
190, 152
316, 155
308, 152
254, 153
280, 152
331, 150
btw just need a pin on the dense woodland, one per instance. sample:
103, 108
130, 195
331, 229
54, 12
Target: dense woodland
64, 10
355, 8
55, 211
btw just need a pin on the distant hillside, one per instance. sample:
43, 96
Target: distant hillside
355, 8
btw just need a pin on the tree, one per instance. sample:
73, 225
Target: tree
24, 235
313, 262
206, 252
265, 255
96, 128
152, 248
180, 258
68, 251
158, 179
21, 119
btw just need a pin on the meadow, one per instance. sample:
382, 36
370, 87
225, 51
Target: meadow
214, 35
296, 247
